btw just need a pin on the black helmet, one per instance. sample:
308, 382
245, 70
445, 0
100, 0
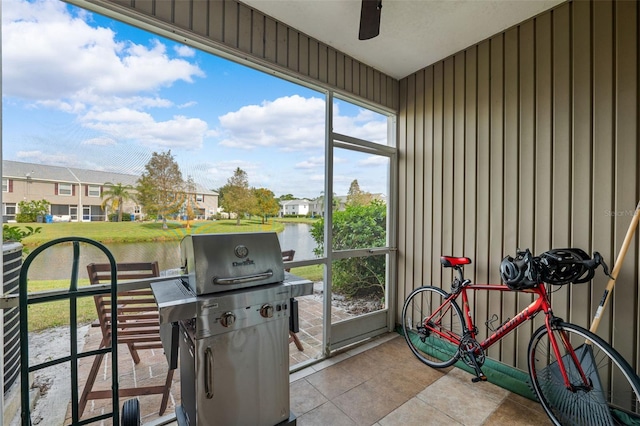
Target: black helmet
521, 272
564, 266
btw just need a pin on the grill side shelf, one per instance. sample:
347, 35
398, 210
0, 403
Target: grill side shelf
175, 302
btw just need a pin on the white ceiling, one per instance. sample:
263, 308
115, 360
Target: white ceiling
413, 33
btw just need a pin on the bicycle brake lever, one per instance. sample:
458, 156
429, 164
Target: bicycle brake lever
597, 257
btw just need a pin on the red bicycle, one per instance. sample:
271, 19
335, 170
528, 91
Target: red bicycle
578, 378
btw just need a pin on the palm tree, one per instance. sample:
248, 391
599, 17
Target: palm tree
116, 195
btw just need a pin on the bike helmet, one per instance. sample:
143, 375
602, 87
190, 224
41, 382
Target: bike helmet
521, 272
567, 265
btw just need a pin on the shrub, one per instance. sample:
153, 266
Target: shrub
126, 217
358, 226
15, 233
30, 210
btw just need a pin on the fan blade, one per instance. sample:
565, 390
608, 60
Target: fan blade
370, 19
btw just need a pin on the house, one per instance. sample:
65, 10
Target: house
294, 208
75, 194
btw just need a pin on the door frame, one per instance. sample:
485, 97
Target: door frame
369, 325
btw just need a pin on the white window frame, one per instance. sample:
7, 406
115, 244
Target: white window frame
199, 198
94, 191
5, 185
65, 189
7, 206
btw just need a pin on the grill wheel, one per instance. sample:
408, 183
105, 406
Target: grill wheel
131, 413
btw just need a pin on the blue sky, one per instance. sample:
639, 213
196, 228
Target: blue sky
82, 90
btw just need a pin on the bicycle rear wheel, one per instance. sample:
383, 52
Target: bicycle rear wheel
432, 327
609, 396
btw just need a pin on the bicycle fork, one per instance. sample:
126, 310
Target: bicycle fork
555, 347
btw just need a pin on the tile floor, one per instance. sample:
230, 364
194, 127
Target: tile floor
378, 383
382, 383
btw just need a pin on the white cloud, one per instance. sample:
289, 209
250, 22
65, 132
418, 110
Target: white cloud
39, 157
49, 54
123, 123
293, 123
187, 104
374, 161
101, 141
289, 123
310, 163
54, 59
185, 51
219, 172
366, 125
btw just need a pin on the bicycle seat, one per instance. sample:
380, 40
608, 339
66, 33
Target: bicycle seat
452, 261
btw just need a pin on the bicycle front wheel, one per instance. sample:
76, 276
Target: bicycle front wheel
603, 389
432, 326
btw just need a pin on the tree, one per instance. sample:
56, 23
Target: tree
356, 196
266, 203
236, 196
287, 197
30, 210
190, 202
160, 188
358, 226
116, 195
321, 200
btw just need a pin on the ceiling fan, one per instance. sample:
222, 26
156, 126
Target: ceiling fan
370, 19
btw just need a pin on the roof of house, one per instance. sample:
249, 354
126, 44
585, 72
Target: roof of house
294, 202
44, 172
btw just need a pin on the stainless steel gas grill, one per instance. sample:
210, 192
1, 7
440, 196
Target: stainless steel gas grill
229, 315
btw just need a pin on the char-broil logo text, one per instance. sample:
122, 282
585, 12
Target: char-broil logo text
244, 263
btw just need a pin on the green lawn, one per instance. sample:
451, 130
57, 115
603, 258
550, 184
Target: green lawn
129, 232
308, 220
313, 272
54, 314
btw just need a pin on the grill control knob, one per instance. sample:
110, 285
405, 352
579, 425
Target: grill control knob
266, 311
227, 319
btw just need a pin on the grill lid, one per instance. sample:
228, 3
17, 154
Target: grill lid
222, 262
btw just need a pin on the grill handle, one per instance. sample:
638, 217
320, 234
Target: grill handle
243, 279
208, 373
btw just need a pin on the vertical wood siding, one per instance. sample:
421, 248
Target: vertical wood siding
247, 33
527, 140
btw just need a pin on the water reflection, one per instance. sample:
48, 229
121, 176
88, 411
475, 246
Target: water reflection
297, 236
56, 262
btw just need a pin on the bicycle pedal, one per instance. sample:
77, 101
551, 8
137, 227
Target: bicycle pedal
481, 378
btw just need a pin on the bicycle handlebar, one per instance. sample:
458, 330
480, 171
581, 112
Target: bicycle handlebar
562, 266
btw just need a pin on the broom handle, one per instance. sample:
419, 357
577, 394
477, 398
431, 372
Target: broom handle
616, 268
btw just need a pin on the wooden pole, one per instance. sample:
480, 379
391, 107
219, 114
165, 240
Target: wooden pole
616, 269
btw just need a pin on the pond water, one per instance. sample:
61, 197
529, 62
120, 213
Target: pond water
56, 261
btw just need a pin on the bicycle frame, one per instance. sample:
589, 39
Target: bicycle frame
540, 304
